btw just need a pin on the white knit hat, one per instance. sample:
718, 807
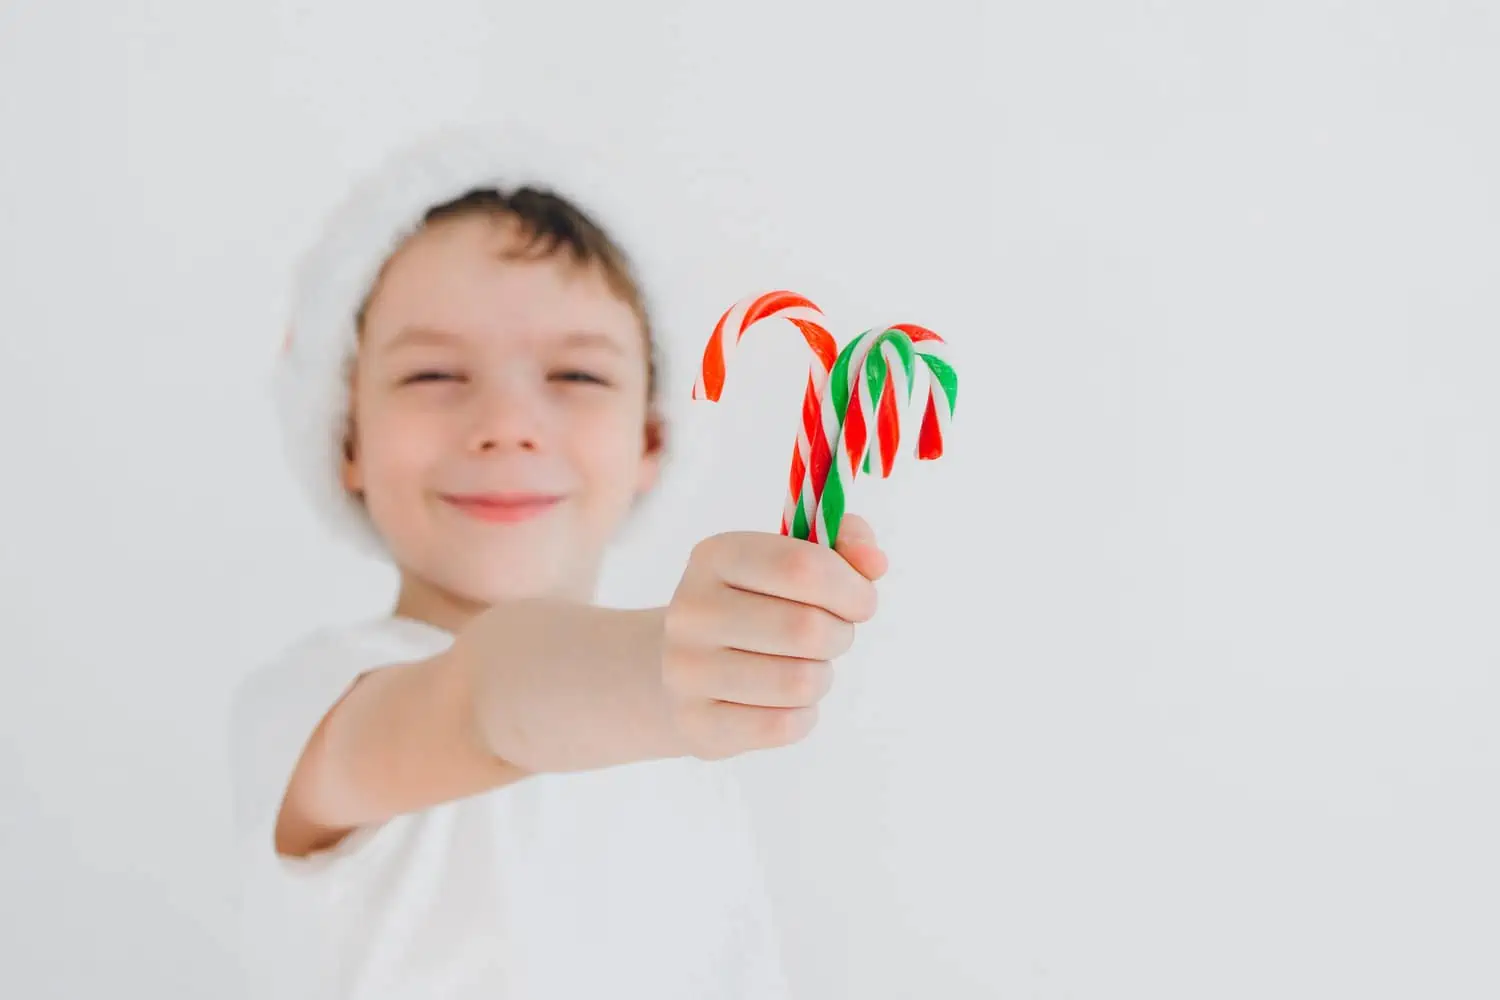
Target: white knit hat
337, 273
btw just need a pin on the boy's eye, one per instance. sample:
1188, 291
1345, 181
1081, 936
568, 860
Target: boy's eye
430, 376
578, 375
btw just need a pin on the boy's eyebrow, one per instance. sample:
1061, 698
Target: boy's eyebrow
592, 338
415, 335
419, 335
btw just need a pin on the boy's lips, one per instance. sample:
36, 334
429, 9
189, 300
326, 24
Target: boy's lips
503, 508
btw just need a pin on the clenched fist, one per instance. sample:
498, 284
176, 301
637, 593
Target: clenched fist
752, 630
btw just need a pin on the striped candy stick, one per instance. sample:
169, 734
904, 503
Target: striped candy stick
832, 406
832, 412
811, 455
857, 394
942, 393
942, 390
835, 416
871, 387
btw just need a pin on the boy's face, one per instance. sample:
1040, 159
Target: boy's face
500, 417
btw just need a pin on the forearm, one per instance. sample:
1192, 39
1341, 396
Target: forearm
402, 739
527, 687
559, 686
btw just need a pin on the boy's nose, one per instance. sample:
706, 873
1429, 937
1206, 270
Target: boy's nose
505, 420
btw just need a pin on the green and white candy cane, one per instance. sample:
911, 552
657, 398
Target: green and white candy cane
867, 405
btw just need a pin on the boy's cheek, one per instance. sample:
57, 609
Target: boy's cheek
404, 435
612, 446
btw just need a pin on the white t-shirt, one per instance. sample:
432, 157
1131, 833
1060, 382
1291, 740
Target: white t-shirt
640, 881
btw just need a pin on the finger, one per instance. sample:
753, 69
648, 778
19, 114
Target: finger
795, 570
736, 728
758, 623
857, 544
756, 679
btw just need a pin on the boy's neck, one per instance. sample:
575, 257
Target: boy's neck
423, 601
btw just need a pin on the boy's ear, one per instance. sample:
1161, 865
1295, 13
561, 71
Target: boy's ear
653, 453
350, 473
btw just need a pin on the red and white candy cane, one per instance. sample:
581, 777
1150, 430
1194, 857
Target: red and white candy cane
812, 454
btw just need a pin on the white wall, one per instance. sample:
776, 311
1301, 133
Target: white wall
1185, 679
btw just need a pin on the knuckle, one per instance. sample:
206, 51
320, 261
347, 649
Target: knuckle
800, 566
808, 630
817, 635
777, 728
690, 616
793, 725
807, 720
806, 683
841, 640
707, 551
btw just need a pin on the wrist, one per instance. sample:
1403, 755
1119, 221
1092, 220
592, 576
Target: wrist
561, 686
659, 735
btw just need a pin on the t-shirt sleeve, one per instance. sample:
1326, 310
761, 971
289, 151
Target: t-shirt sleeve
275, 711
294, 910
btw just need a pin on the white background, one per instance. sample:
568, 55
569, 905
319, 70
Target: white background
1184, 683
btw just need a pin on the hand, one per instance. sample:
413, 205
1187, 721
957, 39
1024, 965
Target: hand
752, 630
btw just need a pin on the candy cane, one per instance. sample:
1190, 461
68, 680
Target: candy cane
850, 408
942, 390
870, 387
812, 455
937, 412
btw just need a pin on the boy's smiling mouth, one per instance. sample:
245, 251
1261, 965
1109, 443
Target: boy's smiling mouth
502, 508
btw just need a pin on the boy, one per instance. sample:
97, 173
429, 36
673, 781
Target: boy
500, 790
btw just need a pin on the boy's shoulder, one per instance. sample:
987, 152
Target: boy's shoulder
336, 652
277, 704
386, 638
327, 659
301, 651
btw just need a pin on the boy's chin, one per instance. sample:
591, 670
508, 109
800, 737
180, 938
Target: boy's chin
467, 568
523, 576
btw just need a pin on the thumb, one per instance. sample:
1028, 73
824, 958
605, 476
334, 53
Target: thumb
857, 544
